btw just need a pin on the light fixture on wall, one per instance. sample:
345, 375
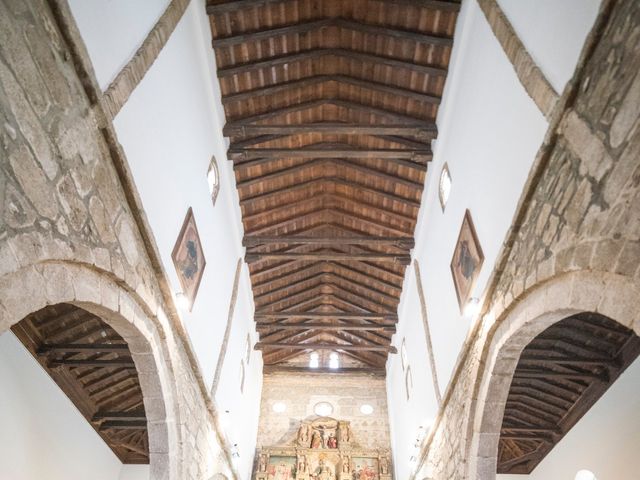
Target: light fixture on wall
472, 308
279, 407
213, 179
235, 453
585, 475
182, 301
366, 409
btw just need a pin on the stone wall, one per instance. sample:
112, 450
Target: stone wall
575, 243
70, 232
346, 393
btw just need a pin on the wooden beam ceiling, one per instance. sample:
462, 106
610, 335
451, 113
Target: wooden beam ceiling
559, 376
330, 116
93, 366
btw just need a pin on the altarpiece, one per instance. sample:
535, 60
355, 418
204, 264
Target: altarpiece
323, 449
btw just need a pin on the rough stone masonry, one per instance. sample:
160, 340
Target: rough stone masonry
68, 233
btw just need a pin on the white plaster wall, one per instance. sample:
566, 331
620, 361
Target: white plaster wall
553, 32
489, 133
99, 19
169, 129
421, 408
605, 441
42, 435
239, 410
134, 472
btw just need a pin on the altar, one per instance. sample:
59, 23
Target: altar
322, 449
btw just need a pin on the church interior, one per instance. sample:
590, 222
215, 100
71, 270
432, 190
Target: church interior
319, 239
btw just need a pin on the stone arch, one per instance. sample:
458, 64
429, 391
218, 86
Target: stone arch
611, 295
32, 288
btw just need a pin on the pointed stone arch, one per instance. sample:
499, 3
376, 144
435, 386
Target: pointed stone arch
610, 295
32, 288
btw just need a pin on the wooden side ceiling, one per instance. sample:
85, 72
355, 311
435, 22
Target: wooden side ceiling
92, 365
330, 109
559, 376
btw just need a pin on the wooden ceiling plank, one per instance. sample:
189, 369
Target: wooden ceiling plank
252, 241
324, 23
423, 131
324, 370
324, 346
325, 326
384, 88
215, 7
319, 256
245, 154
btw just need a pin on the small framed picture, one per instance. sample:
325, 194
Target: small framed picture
188, 258
467, 261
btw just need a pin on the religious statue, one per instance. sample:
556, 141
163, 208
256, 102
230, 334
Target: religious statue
302, 464
323, 472
316, 440
262, 463
384, 465
303, 435
332, 442
345, 434
346, 463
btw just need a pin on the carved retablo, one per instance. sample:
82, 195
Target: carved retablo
322, 449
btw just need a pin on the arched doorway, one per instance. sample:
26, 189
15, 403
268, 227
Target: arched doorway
591, 308
92, 364
61, 311
560, 375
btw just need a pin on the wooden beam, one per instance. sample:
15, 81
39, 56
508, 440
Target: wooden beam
326, 346
543, 374
83, 348
343, 79
215, 7
322, 370
310, 54
319, 256
323, 23
278, 153
393, 116
326, 326
135, 415
332, 179
252, 241
424, 131
123, 425
116, 362
325, 315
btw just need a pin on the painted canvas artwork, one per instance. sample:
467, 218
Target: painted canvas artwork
467, 260
188, 258
281, 468
365, 468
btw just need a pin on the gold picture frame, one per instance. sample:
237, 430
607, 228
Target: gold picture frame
466, 261
188, 258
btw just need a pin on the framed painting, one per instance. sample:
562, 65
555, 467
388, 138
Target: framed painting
365, 468
188, 258
467, 261
281, 468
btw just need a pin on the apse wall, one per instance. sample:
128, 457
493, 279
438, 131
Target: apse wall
42, 434
605, 441
170, 128
346, 393
489, 133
